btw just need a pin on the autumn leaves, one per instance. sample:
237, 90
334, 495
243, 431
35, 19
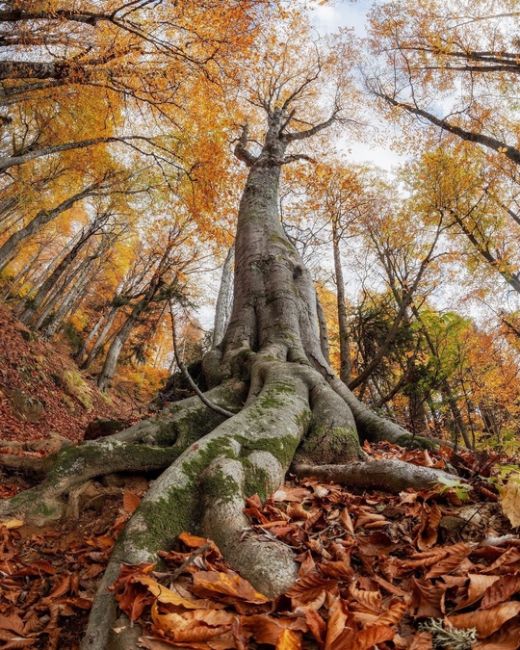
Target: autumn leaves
373, 572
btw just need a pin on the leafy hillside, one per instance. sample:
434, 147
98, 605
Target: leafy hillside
42, 392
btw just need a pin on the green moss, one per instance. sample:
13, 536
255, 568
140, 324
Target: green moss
75, 385
415, 442
330, 445
281, 447
160, 522
221, 486
256, 481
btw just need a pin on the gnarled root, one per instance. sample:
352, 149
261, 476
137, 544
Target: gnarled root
150, 445
374, 427
389, 475
205, 489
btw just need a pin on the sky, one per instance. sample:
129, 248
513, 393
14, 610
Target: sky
327, 19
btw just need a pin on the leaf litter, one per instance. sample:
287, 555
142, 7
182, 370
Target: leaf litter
412, 571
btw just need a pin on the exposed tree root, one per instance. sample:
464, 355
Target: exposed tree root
388, 475
150, 445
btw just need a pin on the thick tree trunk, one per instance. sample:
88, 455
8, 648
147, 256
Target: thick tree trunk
271, 371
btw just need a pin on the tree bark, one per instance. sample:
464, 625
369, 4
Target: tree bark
34, 303
344, 345
103, 335
9, 247
223, 298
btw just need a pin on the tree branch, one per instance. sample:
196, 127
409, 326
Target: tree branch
470, 136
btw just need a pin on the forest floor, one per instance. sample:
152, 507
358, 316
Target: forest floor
373, 568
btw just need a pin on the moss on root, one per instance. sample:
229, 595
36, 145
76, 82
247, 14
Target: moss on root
415, 442
256, 480
330, 445
156, 524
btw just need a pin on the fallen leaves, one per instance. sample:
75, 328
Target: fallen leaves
486, 621
49, 577
372, 568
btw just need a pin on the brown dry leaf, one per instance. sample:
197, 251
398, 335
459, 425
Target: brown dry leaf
194, 541
288, 493
501, 590
265, 629
131, 500
346, 521
506, 638
370, 601
11, 622
510, 557
478, 584
364, 639
486, 621
424, 559
336, 623
391, 588
510, 499
298, 512
167, 596
12, 641
393, 614
457, 554
422, 641
309, 587
315, 623
182, 628
289, 640
372, 635
429, 530
227, 584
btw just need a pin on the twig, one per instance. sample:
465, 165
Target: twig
184, 370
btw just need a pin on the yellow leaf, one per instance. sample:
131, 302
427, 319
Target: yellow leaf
510, 499
165, 595
12, 523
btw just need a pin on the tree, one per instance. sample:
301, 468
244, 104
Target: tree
461, 58
272, 396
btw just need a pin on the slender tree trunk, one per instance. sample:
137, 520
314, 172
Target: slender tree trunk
91, 336
8, 249
114, 351
344, 336
103, 335
80, 284
224, 298
33, 304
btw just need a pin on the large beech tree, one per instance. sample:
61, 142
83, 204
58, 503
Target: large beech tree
273, 399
